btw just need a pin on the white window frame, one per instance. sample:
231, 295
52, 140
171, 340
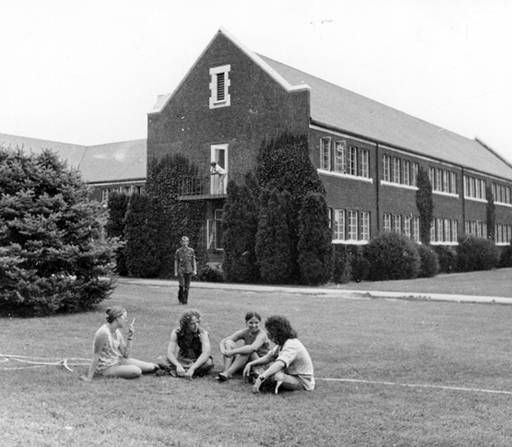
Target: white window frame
386, 222
386, 167
339, 225
352, 160
365, 226
219, 183
325, 141
215, 103
352, 218
365, 162
340, 157
396, 170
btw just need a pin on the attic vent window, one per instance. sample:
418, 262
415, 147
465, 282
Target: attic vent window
219, 87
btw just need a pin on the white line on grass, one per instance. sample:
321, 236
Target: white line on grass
415, 385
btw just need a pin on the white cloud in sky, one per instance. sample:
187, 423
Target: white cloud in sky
88, 72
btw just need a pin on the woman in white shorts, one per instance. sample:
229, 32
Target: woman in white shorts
111, 353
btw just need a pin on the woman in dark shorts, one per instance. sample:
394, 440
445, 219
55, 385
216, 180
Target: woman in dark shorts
189, 351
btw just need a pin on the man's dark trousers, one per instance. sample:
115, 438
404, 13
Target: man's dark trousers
184, 282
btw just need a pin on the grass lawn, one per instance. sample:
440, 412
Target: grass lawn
486, 283
467, 345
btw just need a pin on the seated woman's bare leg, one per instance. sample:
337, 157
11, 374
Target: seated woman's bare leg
123, 371
286, 382
145, 367
238, 363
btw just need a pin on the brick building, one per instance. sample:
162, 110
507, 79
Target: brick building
367, 154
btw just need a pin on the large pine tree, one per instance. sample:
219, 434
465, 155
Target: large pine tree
53, 256
284, 164
490, 214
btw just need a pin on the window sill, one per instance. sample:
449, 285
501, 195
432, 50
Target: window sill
446, 194
399, 185
508, 205
443, 243
349, 242
347, 176
474, 199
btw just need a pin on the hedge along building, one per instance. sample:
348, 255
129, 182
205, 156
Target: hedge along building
367, 154
106, 168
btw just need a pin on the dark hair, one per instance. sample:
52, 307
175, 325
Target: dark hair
114, 312
186, 318
250, 315
279, 329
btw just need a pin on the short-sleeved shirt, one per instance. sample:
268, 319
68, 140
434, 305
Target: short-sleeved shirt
297, 362
110, 354
185, 257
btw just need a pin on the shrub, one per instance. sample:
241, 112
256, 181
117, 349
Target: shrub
117, 207
141, 234
476, 254
240, 226
349, 264
506, 256
210, 273
314, 247
284, 163
490, 212
53, 257
392, 256
429, 261
447, 257
273, 247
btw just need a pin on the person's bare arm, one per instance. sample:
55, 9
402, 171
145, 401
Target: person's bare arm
205, 355
172, 350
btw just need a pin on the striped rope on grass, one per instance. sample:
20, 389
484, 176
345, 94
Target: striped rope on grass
41, 362
415, 385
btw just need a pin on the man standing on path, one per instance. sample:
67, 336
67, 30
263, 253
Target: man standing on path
184, 267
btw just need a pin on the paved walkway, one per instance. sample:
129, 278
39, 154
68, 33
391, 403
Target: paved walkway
326, 291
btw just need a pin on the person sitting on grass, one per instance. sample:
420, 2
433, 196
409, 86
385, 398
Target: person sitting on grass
256, 345
189, 351
291, 367
111, 354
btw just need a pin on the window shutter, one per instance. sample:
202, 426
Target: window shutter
220, 86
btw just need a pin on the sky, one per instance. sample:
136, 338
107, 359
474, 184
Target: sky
89, 72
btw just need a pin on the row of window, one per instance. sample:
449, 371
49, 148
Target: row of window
444, 230
346, 159
408, 225
398, 170
503, 234
350, 225
501, 194
476, 228
474, 187
443, 180
127, 189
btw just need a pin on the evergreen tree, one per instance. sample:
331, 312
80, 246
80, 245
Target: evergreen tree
176, 218
117, 207
425, 205
490, 214
315, 241
284, 164
273, 243
141, 234
240, 226
53, 256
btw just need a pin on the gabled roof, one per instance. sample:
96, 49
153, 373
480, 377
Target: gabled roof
109, 162
345, 110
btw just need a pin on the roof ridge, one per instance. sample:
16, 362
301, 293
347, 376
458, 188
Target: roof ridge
493, 151
371, 99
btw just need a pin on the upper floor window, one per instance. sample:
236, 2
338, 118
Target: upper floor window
219, 86
501, 194
325, 154
443, 180
474, 188
341, 158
